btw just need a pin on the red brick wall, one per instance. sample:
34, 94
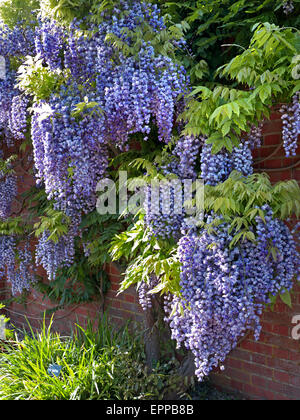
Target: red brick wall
270, 368
271, 156
120, 308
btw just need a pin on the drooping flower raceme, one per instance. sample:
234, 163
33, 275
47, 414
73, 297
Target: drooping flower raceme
224, 290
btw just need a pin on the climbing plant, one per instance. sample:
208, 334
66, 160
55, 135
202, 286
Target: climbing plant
94, 87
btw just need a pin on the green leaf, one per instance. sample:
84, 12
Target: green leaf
286, 298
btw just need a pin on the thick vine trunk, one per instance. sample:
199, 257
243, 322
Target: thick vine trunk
185, 375
183, 380
152, 339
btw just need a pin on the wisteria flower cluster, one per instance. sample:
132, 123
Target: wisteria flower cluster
165, 202
216, 168
127, 91
54, 255
290, 116
224, 290
16, 264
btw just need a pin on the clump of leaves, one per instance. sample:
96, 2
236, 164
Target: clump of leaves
14, 11
240, 200
36, 80
146, 256
258, 78
97, 364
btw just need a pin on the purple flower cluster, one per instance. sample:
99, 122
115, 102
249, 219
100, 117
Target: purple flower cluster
145, 299
291, 125
8, 192
16, 42
216, 168
164, 205
165, 202
224, 290
7, 95
188, 151
53, 255
69, 154
49, 43
18, 117
288, 7
16, 264
255, 136
129, 91
164, 212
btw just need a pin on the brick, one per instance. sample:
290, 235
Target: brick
260, 381
257, 369
282, 330
272, 127
221, 380
282, 377
115, 280
294, 380
234, 363
129, 298
281, 354
294, 355
281, 341
114, 270
257, 347
284, 389
255, 391
267, 327
237, 374
115, 287
283, 365
258, 359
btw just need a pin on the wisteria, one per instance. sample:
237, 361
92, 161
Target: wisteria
16, 42
54, 255
69, 156
49, 43
291, 122
71, 153
104, 85
164, 209
145, 298
217, 167
255, 136
16, 264
288, 7
7, 95
224, 290
165, 201
188, 151
8, 192
18, 117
